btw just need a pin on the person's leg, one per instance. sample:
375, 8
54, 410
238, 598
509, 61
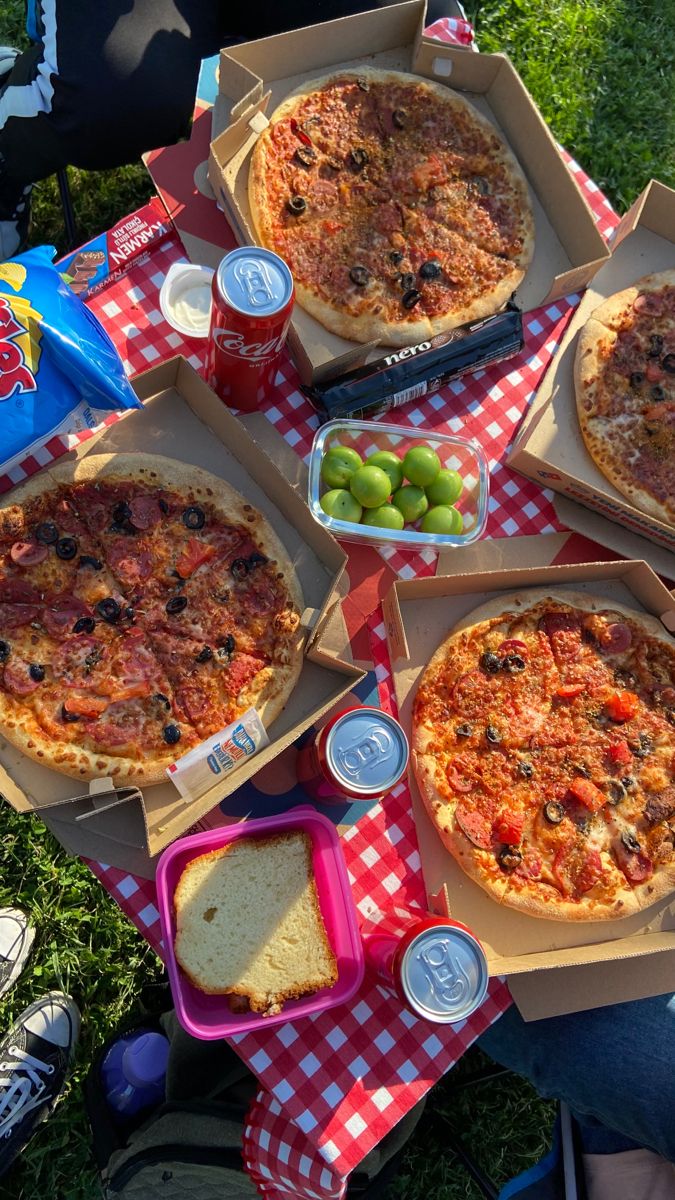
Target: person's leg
612, 1066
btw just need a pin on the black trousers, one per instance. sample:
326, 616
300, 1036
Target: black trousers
113, 78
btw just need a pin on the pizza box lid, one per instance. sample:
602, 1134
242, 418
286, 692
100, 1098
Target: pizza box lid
531, 952
550, 448
182, 418
256, 76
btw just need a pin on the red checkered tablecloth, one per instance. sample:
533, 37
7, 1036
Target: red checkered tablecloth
335, 1084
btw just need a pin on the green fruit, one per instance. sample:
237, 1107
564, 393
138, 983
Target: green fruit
341, 504
371, 486
446, 488
338, 465
384, 517
421, 465
390, 463
442, 519
411, 502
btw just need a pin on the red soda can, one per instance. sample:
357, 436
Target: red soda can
435, 966
252, 302
360, 754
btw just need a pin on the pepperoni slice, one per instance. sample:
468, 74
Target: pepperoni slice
60, 613
18, 591
457, 782
28, 554
653, 372
616, 638
635, 865
530, 867
131, 564
195, 702
75, 661
512, 646
122, 725
14, 616
145, 512
577, 869
477, 827
17, 678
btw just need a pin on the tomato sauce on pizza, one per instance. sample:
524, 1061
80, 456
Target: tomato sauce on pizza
625, 388
144, 605
544, 749
398, 207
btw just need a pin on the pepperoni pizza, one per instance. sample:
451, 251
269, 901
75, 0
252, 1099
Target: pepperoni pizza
144, 605
544, 750
624, 377
396, 204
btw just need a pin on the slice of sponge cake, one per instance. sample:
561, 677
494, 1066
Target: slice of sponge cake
249, 923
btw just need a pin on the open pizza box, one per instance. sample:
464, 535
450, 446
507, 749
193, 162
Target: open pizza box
256, 76
550, 448
182, 418
552, 967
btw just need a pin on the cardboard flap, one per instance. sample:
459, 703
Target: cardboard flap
243, 86
551, 993
101, 797
606, 533
396, 639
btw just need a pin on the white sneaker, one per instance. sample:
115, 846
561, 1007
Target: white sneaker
16, 940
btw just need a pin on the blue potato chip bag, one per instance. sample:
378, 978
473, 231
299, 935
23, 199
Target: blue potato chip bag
59, 370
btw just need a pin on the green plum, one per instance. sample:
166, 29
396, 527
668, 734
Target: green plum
446, 488
371, 486
341, 504
390, 463
421, 466
338, 465
410, 501
384, 517
442, 519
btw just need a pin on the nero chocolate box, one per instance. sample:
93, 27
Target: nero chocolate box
110, 255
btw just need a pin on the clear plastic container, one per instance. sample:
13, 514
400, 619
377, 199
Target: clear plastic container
208, 1016
366, 437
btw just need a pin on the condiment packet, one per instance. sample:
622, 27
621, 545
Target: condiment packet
201, 768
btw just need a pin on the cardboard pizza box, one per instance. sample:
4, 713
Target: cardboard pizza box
255, 77
550, 448
552, 966
183, 419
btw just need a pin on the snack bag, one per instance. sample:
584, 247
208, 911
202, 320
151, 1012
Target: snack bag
59, 371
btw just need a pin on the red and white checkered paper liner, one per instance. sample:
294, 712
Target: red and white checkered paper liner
335, 1084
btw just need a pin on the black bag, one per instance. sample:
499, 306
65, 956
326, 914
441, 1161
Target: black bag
190, 1147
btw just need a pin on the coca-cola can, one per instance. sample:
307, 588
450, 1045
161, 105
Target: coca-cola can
434, 965
360, 754
252, 303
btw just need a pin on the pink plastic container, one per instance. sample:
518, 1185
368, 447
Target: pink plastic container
209, 1017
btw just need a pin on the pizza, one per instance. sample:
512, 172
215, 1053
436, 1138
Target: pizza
544, 751
624, 376
144, 605
397, 206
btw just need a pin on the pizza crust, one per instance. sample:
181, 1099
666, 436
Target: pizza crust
595, 342
533, 897
368, 326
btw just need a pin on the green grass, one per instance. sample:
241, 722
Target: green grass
602, 74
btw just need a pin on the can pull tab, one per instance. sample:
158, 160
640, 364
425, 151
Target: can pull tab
255, 282
446, 976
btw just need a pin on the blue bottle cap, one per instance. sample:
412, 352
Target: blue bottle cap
254, 281
367, 752
144, 1060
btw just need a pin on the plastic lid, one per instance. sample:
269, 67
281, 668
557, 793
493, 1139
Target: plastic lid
144, 1060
